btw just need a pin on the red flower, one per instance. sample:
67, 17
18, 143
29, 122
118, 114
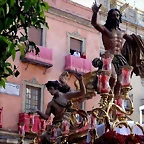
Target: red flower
112, 137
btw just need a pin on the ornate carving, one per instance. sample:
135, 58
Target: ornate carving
34, 81
76, 34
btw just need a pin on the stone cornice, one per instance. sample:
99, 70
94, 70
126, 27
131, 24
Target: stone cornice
71, 17
84, 21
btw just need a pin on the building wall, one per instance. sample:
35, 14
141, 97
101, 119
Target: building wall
64, 18
57, 40
137, 92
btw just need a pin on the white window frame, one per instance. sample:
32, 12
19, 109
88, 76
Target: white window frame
77, 36
34, 83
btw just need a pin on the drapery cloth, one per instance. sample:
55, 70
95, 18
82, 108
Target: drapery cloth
134, 54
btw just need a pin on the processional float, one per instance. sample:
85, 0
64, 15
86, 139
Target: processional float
111, 112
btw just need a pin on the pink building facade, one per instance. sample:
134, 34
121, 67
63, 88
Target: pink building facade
69, 30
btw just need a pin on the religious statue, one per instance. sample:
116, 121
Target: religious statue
118, 62
61, 104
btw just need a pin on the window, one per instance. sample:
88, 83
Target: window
36, 35
33, 95
76, 42
33, 99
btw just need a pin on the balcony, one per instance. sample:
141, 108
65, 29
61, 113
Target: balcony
73, 63
44, 58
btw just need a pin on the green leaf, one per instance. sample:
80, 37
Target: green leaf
12, 2
8, 64
34, 20
27, 5
45, 5
2, 12
7, 8
1, 26
8, 22
9, 71
21, 48
22, 18
2, 2
46, 24
2, 83
13, 51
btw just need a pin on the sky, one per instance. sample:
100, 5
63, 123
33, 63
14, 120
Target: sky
134, 3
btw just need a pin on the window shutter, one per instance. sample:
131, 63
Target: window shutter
35, 35
75, 44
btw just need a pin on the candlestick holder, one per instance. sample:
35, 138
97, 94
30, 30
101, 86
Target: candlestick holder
53, 141
126, 90
30, 128
93, 135
34, 141
21, 139
31, 122
21, 131
64, 139
42, 125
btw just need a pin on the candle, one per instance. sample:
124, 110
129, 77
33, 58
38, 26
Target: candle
54, 133
120, 102
104, 82
99, 84
31, 119
65, 127
42, 122
107, 59
93, 121
126, 73
21, 130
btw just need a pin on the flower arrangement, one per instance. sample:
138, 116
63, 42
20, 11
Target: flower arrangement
112, 137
